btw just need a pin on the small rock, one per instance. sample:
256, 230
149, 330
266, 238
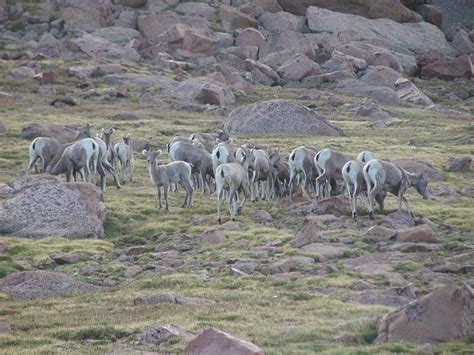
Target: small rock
419, 234
67, 258
157, 335
381, 233
3, 128
5, 328
70, 101
132, 271
134, 251
172, 299
214, 341
261, 215
397, 219
458, 164
215, 236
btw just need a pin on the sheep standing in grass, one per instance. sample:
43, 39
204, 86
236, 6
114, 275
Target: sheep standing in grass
301, 162
329, 163
231, 178
43, 148
282, 175
79, 156
124, 154
178, 172
381, 176
352, 173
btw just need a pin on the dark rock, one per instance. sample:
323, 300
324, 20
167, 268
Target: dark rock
458, 164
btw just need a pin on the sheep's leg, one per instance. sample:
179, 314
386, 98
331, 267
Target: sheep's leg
219, 196
380, 197
291, 183
405, 201
371, 194
32, 163
320, 185
232, 198
166, 199
353, 199
159, 197
202, 178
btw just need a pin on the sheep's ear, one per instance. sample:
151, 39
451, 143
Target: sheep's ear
145, 153
158, 152
112, 130
128, 135
277, 150
231, 140
218, 140
103, 130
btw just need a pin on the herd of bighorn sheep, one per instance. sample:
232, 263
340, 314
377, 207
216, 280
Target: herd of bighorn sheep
240, 173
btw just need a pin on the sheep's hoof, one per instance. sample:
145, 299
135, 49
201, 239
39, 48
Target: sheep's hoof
354, 215
219, 221
233, 219
371, 215
239, 210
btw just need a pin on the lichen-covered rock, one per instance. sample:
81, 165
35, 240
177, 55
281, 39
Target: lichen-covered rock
43, 206
278, 117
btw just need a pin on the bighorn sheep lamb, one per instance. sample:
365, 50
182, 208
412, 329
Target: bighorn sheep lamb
301, 162
222, 153
199, 158
43, 148
329, 164
80, 155
233, 178
124, 154
381, 175
354, 179
178, 172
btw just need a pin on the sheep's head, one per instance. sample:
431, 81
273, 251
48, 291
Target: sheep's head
151, 156
421, 184
222, 135
126, 139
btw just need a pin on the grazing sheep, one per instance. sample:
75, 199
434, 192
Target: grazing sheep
282, 175
43, 148
199, 158
352, 173
232, 178
104, 166
329, 164
260, 169
178, 172
381, 176
178, 139
222, 153
301, 162
79, 156
124, 154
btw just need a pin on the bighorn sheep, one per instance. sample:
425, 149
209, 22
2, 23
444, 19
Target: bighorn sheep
260, 169
199, 158
80, 155
222, 153
124, 154
381, 175
106, 136
209, 140
43, 148
103, 164
177, 139
301, 162
178, 172
329, 164
282, 175
352, 173
233, 178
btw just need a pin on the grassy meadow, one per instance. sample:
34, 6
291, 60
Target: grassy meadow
303, 312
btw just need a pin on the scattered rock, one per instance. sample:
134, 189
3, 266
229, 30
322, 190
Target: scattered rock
412, 37
381, 233
214, 341
285, 265
132, 271
309, 234
249, 37
282, 21
158, 335
271, 117
419, 234
390, 9
67, 258
409, 247
42, 284
415, 166
437, 65
261, 215
431, 13
63, 100
398, 219
458, 164
393, 297
142, 81
62, 133
324, 251
336, 205
3, 128
101, 48
380, 76
126, 116
42, 206
407, 91
382, 94
196, 9
462, 43
442, 315
279, 40
21, 73
232, 18
172, 299
215, 236
5, 328
298, 67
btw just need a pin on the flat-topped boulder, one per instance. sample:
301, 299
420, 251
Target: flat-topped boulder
279, 117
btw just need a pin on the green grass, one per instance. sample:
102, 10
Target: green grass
282, 316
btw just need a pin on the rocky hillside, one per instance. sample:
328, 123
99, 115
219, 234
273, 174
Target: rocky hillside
85, 271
